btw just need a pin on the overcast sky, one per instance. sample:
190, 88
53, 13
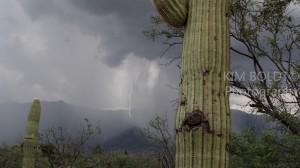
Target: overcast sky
85, 52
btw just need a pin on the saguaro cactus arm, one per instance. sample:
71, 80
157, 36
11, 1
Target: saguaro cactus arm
33, 119
173, 12
30, 146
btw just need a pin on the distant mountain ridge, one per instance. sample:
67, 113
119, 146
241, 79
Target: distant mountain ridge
131, 140
118, 130
13, 118
241, 121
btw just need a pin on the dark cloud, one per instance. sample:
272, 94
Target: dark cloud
127, 8
119, 23
37, 9
88, 55
85, 52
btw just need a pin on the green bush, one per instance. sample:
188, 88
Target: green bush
249, 150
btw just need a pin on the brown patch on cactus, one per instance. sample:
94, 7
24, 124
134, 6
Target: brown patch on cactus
206, 72
194, 121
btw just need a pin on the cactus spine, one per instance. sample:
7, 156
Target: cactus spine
30, 146
203, 86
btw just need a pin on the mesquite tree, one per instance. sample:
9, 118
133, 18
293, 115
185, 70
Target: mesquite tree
268, 35
30, 145
203, 118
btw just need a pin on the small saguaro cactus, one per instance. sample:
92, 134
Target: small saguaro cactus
203, 118
30, 145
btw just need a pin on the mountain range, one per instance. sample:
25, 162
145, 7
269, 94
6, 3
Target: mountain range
118, 130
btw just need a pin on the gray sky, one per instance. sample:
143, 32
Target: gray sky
85, 52
89, 53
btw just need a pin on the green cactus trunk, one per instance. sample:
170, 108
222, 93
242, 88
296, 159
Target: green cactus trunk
203, 86
30, 146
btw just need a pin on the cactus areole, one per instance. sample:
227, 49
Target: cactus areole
203, 117
30, 145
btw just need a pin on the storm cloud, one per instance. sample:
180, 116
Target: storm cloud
119, 24
85, 52
88, 53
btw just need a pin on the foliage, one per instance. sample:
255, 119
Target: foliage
266, 151
267, 33
158, 132
62, 148
125, 160
247, 149
11, 156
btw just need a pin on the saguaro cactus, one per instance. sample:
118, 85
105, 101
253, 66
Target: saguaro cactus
203, 118
30, 145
